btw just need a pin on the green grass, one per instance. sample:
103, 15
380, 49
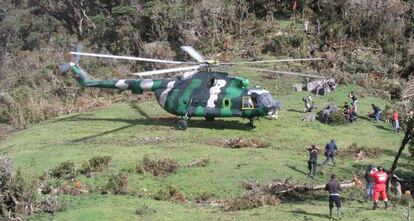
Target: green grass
120, 131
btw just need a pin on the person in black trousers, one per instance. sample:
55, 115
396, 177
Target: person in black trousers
334, 187
313, 160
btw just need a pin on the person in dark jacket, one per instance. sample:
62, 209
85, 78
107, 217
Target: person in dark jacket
313, 160
369, 190
377, 112
334, 187
330, 150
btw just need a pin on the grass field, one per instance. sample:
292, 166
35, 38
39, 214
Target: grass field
129, 131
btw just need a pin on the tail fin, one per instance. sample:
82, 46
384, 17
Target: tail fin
81, 75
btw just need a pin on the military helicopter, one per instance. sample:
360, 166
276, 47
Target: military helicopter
198, 93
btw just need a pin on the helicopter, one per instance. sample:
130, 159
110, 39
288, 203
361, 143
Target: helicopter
200, 92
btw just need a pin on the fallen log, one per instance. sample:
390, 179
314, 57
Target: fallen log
280, 187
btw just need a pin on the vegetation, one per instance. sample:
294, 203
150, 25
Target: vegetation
368, 53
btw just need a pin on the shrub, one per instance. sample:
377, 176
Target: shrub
170, 194
99, 163
144, 210
65, 170
117, 184
95, 164
162, 167
337, 118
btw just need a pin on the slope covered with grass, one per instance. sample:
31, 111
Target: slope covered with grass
129, 131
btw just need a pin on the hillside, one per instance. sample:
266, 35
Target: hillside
128, 132
73, 153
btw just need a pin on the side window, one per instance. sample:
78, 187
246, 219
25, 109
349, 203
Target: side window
247, 103
226, 103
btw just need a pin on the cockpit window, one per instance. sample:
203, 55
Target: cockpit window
265, 100
247, 103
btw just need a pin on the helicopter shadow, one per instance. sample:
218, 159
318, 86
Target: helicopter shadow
294, 110
169, 122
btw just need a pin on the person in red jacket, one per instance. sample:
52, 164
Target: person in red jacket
395, 121
380, 180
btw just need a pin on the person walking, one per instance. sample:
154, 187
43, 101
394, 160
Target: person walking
380, 189
334, 187
330, 150
395, 121
377, 112
313, 160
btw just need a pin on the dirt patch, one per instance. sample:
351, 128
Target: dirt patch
239, 142
157, 167
361, 152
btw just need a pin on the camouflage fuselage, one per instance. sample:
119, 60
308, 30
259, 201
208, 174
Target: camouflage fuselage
204, 94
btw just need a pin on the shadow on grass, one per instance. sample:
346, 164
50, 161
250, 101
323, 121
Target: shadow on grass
166, 122
293, 110
303, 212
383, 128
297, 170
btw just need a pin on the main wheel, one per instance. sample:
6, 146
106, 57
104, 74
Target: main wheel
209, 118
182, 124
249, 126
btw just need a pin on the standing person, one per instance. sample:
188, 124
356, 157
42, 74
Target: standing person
377, 112
325, 114
308, 104
330, 150
395, 122
313, 160
369, 190
354, 100
295, 5
334, 187
380, 180
318, 26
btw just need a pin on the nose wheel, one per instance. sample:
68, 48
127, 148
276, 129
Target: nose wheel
182, 124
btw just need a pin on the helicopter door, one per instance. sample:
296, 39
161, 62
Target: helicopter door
247, 103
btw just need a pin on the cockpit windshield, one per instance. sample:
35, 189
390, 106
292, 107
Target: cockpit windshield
261, 97
265, 100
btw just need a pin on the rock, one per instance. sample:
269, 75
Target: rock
297, 87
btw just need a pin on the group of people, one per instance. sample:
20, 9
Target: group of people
376, 178
349, 111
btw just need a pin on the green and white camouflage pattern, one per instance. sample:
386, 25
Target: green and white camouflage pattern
203, 94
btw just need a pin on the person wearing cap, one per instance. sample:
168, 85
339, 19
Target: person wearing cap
334, 187
380, 189
330, 150
313, 160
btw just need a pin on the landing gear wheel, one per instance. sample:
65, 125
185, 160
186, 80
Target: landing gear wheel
249, 126
182, 124
209, 118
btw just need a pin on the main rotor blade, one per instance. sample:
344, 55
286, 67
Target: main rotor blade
282, 72
193, 53
130, 58
163, 71
273, 61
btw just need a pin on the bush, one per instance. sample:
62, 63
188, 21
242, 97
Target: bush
95, 164
144, 210
337, 118
162, 167
170, 194
65, 170
117, 184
